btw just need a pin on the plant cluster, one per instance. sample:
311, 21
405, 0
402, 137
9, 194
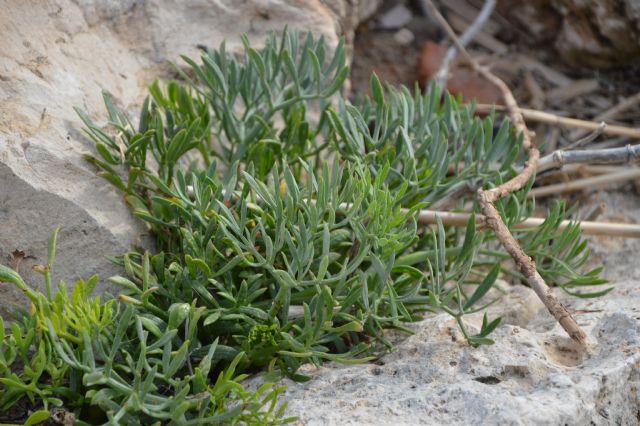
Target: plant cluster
286, 231
110, 362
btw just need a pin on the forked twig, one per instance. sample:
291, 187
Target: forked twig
486, 198
588, 138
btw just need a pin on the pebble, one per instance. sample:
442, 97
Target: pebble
403, 36
396, 17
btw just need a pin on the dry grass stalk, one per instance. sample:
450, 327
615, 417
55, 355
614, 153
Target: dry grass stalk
546, 117
590, 182
549, 74
443, 73
588, 138
577, 88
612, 112
428, 217
595, 212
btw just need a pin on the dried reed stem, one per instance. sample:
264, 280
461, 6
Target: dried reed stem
546, 117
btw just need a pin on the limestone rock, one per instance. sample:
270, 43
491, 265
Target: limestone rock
600, 33
59, 54
591, 33
533, 374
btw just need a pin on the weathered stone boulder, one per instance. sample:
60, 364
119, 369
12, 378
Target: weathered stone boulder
533, 375
59, 54
588, 33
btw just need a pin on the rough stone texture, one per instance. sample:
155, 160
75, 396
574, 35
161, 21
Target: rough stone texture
533, 375
62, 53
615, 254
592, 33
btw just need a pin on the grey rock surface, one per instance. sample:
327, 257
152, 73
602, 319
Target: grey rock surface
59, 54
533, 375
591, 33
396, 17
615, 254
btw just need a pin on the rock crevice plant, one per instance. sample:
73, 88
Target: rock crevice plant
285, 222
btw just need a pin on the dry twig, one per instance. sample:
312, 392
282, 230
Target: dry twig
596, 211
536, 94
546, 117
558, 159
630, 102
574, 89
590, 182
483, 38
524, 263
549, 74
577, 171
428, 217
467, 187
588, 138
443, 73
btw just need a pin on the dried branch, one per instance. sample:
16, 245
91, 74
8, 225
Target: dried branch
575, 89
558, 159
527, 267
443, 73
467, 187
524, 263
591, 182
595, 212
630, 102
584, 169
546, 117
588, 138
629, 230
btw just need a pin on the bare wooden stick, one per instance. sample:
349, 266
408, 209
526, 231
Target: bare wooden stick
546, 117
616, 142
559, 158
525, 264
527, 267
483, 38
549, 74
574, 89
590, 182
630, 102
581, 170
537, 95
591, 169
595, 212
468, 187
552, 139
428, 217
443, 73
588, 138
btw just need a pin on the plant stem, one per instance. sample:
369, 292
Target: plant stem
47, 283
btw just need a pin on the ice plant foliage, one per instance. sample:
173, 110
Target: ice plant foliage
286, 233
